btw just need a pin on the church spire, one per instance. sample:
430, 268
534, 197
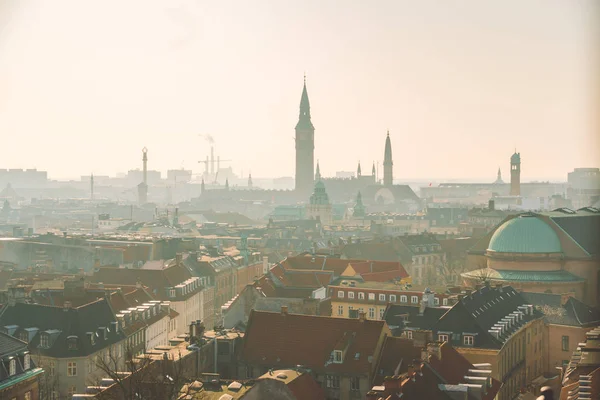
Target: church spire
358, 170
304, 121
318, 172
388, 162
249, 180
373, 170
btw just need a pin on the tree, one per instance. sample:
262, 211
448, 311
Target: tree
141, 377
48, 381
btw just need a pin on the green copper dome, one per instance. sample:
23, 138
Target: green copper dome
525, 234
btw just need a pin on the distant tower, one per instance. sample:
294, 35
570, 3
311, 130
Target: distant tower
359, 207
515, 174
249, 180
305, 146
388, 164
499, 180
319, 206
143, 186
373, 170
92, 187
318, 173
202, 186
358, 171
226, 183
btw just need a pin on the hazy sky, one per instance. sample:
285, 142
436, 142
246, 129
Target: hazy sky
84, 85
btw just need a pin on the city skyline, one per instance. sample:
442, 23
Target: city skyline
98, 97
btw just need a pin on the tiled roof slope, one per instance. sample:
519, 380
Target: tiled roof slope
285, 340
478, 312
396, 355
66, 322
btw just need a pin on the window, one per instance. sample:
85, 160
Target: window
442, 338
72, 391
27, 396
341, 294
332, 381
51, 368
350, 295
409, 334
44, 341
382, 297
445, 302
361, 296
26, 362
381, 311
403, 299
71, 368
468, 340
355, 383
371, 296
340, 310
565, 343
13, 367
24, 336
392, 298
337, 356
436, 301
414, 299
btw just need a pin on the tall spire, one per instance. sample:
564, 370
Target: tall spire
250, 180
318, 172
388, 162
202, 187
358, 170
304, 121
373, 170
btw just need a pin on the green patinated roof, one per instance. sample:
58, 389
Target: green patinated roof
522, 276
525, 234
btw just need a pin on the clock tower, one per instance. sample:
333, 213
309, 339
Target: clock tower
305, 147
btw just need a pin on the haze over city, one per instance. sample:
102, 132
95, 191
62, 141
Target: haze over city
84, 86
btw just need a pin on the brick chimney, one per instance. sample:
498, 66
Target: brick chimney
178, 258
564, 298
284, 310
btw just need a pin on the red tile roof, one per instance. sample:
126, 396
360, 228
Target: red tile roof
395, 357
338, 266
285, 340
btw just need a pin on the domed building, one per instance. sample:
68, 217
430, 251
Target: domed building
553, 252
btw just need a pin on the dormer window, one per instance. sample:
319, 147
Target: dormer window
72, 343
468, 340
337, 357
442, 338
172, 293
44, 340
26, 362
24, 336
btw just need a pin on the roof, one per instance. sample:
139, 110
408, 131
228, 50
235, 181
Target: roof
478, 312
64, 322
10, 345
156, 280
395, 357
525, 234
522, 276
572, 312
280, 340
302, 385
453, 367
583, 228
398, 317
371, 251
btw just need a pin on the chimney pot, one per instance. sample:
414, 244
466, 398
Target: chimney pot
362, 316
284, 310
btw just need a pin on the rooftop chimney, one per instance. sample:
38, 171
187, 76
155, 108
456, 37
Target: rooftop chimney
362, 316
284, 310
491, 205
178, 258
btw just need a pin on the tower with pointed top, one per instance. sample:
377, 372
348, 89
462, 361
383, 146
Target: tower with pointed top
143, 186
373, 170
318, 173
358, 171
305, 146
359, 207
250, 180
515, 174
388, 164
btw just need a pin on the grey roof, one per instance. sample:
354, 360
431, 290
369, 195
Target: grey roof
572, 313
10, 345
477, 313
61, 323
